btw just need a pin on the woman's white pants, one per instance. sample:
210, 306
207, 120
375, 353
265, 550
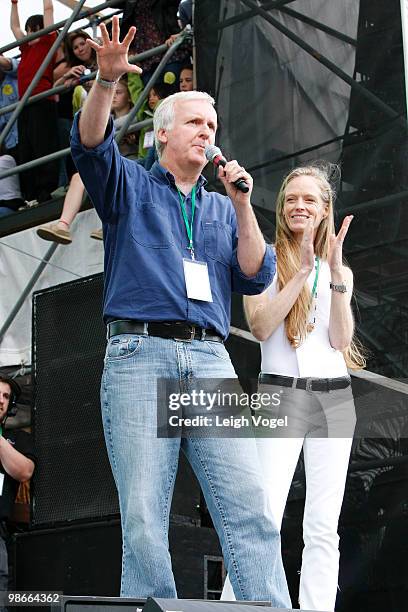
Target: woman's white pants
326, 462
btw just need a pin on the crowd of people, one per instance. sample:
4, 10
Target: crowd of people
44, 126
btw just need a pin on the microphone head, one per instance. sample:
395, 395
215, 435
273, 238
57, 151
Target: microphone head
212, 151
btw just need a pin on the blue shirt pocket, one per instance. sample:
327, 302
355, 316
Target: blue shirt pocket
218, 241
151, 226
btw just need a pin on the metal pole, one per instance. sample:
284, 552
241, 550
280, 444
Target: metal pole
28, 288
55, 90
179, 41
134, 127
365, 93
300, 152
274, 4
319, 26
40, 72
59, 24
94, 22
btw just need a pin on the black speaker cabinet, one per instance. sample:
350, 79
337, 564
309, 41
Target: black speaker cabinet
116, 604
86, 560
101, 604
73, 480
154, 604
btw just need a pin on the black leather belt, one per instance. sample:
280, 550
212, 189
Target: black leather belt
178, 330
308, 384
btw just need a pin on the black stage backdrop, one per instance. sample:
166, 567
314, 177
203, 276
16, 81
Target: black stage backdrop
281, 104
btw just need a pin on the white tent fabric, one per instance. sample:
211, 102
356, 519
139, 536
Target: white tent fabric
81, 258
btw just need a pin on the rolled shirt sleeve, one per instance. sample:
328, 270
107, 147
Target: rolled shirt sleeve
253, 285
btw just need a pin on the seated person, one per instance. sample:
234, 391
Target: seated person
60, 230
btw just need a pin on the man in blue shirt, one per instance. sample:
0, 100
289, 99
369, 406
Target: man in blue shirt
172, 258
8, 95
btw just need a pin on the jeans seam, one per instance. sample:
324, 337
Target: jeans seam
165, 517
194, 444
108, 422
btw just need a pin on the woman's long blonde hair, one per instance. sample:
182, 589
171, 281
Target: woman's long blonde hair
288, 260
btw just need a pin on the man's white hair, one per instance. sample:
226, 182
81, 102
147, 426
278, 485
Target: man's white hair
164, 114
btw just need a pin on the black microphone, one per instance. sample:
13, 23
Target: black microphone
214, 155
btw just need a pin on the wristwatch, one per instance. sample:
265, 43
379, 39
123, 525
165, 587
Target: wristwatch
104, 82
339, 288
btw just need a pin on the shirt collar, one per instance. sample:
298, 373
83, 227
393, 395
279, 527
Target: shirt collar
163, 175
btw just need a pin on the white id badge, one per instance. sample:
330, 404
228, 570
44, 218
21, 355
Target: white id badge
1, 483
197, 280
148, 140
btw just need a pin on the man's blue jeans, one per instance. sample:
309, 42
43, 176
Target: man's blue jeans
144, 467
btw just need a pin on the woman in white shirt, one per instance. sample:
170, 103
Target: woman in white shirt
305, 325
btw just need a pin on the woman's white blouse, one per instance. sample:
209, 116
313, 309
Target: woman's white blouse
315, 357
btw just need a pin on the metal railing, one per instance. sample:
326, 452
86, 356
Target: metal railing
128, 126
61, 24
64, 88
40, 72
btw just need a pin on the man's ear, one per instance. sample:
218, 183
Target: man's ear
162, 136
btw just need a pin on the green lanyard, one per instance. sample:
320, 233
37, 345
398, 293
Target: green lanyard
189, 225
317, 268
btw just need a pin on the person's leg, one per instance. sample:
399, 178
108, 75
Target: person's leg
278, 459
64, 129
326, 463
144, 466
72, 202
27, 179
60, 231
278, 456
230, 476
44, 140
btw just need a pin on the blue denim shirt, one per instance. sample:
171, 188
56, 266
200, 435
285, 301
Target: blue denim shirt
9, 95
145, 241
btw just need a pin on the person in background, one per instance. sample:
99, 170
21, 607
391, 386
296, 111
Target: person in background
305, 324
10, 194
38, 122
185, 13
147, 151
9, 95
60, 231
17, 463
121, 107
186, 81
76, 59
156, 24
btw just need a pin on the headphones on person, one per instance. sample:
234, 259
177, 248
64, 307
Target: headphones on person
15, 392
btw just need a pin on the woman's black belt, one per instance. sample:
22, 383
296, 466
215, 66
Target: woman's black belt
308, 384
177, 330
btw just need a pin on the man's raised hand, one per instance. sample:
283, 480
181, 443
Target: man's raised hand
112, 55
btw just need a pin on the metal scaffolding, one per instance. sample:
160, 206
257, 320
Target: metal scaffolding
129, 126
